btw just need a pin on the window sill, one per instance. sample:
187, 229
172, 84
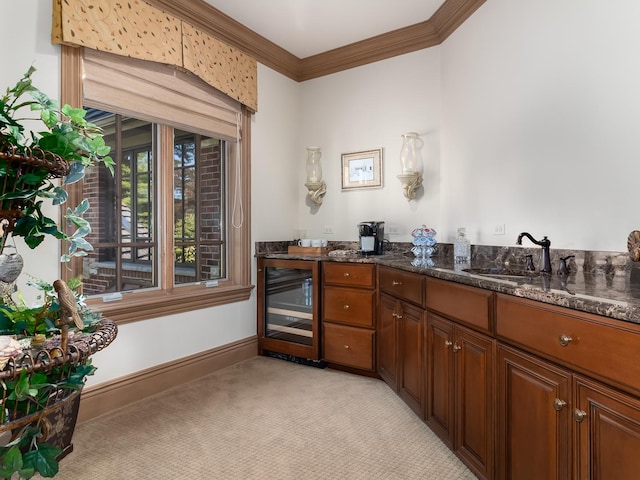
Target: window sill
137, 306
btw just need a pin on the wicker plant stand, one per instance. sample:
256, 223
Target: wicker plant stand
16, 167
58, 417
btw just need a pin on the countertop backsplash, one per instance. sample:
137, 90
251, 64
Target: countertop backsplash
602, 283
588, 261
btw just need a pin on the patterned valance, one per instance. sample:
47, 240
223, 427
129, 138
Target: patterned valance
138, 30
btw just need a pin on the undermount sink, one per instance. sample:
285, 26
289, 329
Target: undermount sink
502, 272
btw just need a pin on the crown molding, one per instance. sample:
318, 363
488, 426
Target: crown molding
450, 15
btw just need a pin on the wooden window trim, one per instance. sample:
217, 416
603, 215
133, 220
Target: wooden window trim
135, 306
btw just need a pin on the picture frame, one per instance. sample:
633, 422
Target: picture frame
362, 170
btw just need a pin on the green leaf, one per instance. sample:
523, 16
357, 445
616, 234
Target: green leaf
60, 196
76, 173
75, 114
82, 207
43, 460
12, 460
80, 243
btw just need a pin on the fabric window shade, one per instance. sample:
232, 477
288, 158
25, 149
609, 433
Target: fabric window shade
157, 93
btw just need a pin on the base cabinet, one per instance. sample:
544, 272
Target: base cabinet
460, 391
401, 341
348, 315
534, 418
387, 333
607, 425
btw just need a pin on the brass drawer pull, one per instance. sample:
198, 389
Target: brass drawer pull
456, 347
565, 340
346, 274
579, 415
347, 347
447, 343
396, 283
559, 404
346, 307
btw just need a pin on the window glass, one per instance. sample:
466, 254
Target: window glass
125, 208
198, 208
121, 209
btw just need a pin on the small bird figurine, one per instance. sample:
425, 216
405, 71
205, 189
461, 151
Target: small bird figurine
67, 301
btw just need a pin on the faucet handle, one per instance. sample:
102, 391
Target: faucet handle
530, 266
564, 268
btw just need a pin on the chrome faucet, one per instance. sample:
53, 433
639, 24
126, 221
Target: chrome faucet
545, 244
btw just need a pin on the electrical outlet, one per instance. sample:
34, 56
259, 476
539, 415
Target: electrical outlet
499, 229
392, 230
328, 230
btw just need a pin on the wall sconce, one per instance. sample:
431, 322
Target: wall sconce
316, 186
411, 161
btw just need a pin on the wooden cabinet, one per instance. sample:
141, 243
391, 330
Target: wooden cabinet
554, 422
607, 425
387, 340
534, 418
348, 315
401, 342
460, 374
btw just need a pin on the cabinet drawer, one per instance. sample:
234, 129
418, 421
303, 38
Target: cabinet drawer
597, 346
405, 285
348, 305
468, 305
349, 346
348, 274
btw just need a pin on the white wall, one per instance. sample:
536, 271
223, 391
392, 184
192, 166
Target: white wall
26, 41
530, 116
541, 122
275, 130
147, 343
366, 108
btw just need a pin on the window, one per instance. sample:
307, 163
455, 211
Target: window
166, 235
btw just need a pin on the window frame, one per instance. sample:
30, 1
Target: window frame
169, 299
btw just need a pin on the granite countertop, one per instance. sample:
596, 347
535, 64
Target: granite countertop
602, 283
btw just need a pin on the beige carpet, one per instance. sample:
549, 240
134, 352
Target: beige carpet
264, 419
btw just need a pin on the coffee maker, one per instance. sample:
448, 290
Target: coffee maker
371, 238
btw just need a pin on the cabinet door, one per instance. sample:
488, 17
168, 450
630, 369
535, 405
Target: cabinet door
533, 418
412, 342
387, 344
607, 432
474, 357
440, 384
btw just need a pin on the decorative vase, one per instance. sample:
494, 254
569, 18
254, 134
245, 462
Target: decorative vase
314, 168
410, 154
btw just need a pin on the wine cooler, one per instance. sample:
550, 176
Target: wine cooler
288, 307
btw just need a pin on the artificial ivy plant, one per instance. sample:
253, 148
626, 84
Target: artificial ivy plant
42, 360
67, 144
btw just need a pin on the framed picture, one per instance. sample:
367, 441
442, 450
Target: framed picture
362, 169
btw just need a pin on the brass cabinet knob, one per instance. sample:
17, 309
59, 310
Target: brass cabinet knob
447, 343
558, 404
346, 274
347, 347
579, 415
456, 347
565, 340
346, 307
396, 283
